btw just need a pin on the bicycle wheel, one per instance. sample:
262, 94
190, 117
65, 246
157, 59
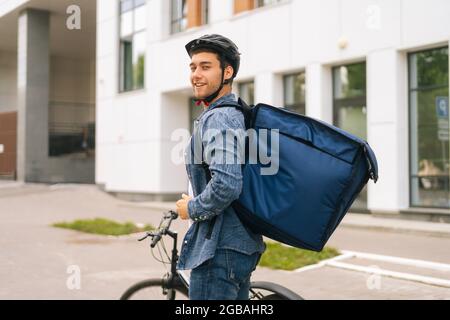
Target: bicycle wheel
153, 289
262, 290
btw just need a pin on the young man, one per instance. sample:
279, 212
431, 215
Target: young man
218, 248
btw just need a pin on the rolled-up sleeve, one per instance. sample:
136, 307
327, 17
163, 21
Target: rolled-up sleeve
223, 138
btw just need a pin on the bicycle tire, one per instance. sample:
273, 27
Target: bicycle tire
274, 291
274, 296
157, 284
257, 289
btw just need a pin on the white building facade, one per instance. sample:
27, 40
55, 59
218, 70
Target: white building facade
354, 63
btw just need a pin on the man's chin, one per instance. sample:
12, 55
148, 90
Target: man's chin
200, 97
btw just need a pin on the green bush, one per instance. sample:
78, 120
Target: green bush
278, 256
103, 226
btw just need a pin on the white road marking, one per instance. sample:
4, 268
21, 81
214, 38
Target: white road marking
392, 274
336, 262
323, 263
401, 261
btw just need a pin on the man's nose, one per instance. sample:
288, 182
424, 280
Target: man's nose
196, 74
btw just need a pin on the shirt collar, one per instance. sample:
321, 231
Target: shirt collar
226, 98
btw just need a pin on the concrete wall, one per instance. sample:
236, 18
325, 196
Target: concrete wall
72, 90
72, 80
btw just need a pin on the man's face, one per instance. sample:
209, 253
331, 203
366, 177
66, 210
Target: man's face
206, 74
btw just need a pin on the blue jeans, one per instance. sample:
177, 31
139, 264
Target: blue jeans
224, 277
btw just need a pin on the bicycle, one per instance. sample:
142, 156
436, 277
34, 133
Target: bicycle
175, 283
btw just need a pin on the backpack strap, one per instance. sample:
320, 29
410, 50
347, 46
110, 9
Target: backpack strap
247, 112
244, 108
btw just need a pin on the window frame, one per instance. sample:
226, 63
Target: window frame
337, 104
176, 24
294, 106
257, 3
130, 40
418, 88
178, 20
245, 83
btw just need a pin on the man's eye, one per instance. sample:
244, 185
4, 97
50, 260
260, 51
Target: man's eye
205, 68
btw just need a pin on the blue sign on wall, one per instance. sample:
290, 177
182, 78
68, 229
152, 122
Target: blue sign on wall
442, 107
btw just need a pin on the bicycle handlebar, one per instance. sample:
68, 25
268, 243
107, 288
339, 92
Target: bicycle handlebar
155, 240
157, 235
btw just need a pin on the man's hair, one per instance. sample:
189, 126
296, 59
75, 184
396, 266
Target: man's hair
223, 61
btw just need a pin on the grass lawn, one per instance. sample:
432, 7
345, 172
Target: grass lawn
278, 256
103, 226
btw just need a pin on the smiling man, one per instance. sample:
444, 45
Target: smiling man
221, 252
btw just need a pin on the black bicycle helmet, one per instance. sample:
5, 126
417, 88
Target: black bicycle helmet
224, 47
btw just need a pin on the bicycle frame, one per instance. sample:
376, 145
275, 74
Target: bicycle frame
175, 278
178, 280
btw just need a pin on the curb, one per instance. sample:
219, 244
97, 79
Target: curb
367, 222
438, 234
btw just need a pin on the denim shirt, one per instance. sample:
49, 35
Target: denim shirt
214, 198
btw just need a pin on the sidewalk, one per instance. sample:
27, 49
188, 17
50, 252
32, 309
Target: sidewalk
351, 220
368, 222
36, 260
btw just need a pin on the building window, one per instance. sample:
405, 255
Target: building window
295, 92
71, 129
187, 14
349, 98
349, 108
243, 5
262, 3
429, 128
247, 92
246, 5
179, 15
205, 11
133, 16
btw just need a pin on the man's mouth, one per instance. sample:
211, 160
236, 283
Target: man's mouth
198, 85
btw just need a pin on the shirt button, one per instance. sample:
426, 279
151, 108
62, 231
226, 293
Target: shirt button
185, 242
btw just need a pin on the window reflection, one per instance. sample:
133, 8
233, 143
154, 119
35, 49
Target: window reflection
429, 128
132, 44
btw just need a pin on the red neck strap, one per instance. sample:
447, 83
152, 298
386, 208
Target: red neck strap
199, 102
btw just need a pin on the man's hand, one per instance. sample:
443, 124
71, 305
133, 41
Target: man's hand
182, 207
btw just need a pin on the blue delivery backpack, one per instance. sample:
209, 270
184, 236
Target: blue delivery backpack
321, 170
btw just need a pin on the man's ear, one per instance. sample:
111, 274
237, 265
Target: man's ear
228, 72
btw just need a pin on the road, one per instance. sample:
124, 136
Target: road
38, 261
